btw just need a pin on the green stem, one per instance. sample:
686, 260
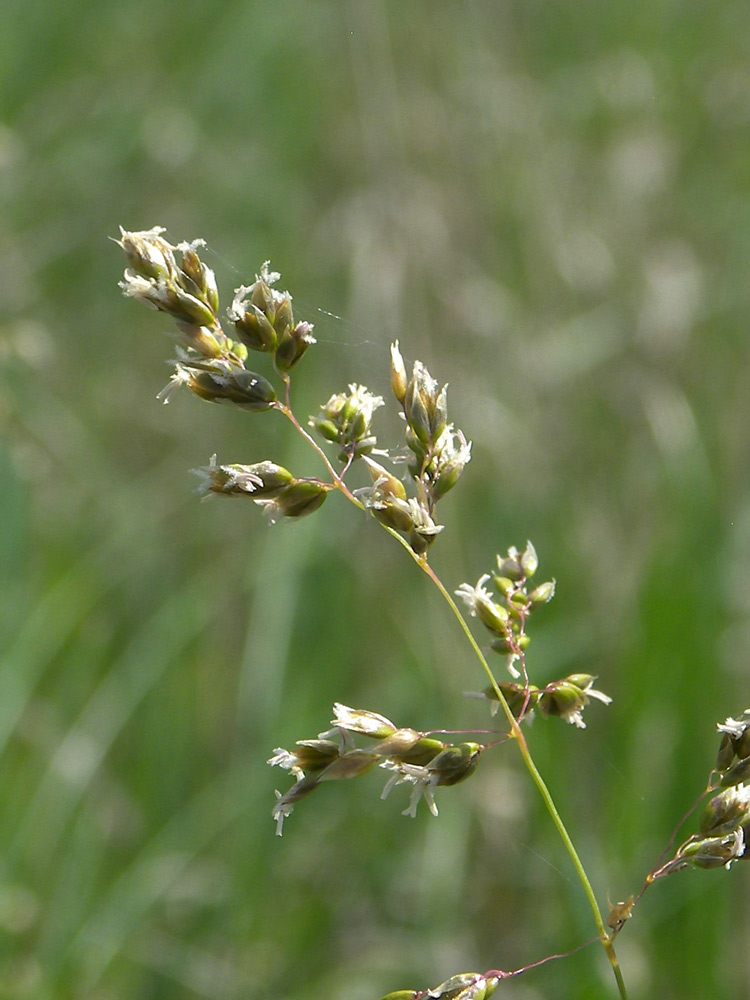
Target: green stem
516, 732
549, 803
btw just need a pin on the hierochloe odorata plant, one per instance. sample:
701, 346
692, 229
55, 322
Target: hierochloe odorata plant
213, 364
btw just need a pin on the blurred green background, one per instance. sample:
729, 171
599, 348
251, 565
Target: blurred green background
549, 204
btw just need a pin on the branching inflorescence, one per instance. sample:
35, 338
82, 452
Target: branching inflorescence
213, 364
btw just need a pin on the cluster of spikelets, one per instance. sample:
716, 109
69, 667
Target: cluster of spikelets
725, 821
412, 758
435, 455
464, 986
186, 290
174, 280
505, 615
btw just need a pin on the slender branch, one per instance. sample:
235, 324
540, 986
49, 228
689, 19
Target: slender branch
287, 411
